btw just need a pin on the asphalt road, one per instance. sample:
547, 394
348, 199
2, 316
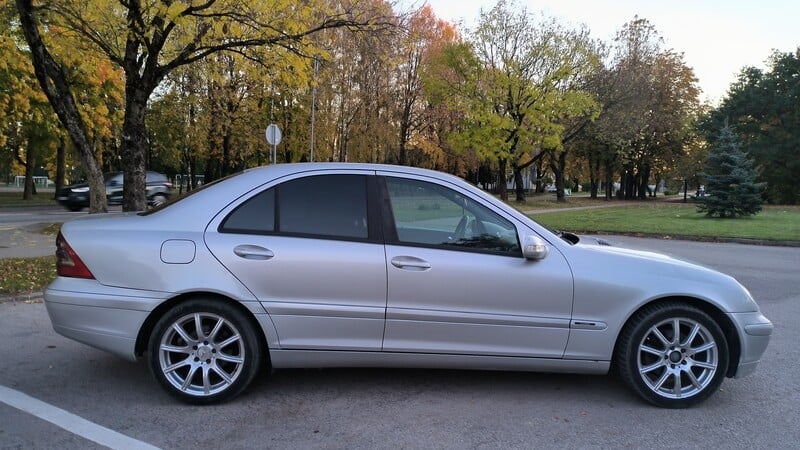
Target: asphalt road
348, 408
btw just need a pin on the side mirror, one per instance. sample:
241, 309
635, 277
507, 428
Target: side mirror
534, 247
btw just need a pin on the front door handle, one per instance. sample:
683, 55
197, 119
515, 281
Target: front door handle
253, 252
410, 263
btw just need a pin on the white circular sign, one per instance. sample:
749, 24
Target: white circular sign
274, 134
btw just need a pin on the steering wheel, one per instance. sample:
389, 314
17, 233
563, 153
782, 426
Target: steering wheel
461, 228
476, 227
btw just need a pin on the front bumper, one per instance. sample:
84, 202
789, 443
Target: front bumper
104, 317
73, 199
755, 331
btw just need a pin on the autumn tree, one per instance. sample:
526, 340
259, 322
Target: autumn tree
27, 125
150, 39
448, 76
524, 88
97, 105
423, 36
54, 80
649, 100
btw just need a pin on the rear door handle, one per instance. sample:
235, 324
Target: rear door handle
253, 252
410, 263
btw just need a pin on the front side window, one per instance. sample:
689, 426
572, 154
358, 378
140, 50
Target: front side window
325, 205
428, 214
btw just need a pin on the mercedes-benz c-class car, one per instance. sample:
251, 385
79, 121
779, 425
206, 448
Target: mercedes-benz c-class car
356, 265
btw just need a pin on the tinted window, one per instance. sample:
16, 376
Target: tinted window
325, 205
429, 214
256, 215
113, 179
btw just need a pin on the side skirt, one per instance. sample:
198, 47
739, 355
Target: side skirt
285, 359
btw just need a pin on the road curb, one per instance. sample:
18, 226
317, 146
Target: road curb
34, 297
712, 239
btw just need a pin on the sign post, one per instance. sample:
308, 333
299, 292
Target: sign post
274, 137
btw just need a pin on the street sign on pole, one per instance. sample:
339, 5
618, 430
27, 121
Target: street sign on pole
274, 137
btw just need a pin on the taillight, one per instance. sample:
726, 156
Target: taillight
68, 264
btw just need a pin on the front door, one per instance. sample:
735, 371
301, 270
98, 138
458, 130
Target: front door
457, 281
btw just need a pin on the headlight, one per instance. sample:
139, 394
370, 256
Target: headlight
80, 189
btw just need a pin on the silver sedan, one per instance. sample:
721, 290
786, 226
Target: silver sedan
353, 265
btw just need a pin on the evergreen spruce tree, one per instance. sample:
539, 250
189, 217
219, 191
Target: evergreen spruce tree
731, 190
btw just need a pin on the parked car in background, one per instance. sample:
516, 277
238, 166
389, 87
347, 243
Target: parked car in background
355, 265
76, 197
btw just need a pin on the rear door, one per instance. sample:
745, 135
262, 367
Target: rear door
309, 250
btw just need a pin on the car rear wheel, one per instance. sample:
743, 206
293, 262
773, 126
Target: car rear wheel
204, 351
673, 355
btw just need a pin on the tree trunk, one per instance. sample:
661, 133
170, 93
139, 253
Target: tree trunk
30, 166
644, 178
558, 165
402, 156
658, 184
226, 152
609, 163
539, 173
192, 174
61, 163
519, 185
134, 148
501, 180
629, 181
594, 176
53, 80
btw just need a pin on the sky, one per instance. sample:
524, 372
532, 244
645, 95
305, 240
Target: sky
717, 37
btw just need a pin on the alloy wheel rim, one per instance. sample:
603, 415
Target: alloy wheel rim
201, 354
677, 358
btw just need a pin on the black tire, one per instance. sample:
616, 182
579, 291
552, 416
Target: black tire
158, 199
670, 372
74, 208
211, 368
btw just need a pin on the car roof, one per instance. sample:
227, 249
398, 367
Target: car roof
280, 170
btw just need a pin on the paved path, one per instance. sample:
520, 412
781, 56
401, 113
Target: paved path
576, 208
25, 241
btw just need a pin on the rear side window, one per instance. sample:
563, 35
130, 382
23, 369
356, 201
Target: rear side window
255, 216
325, 205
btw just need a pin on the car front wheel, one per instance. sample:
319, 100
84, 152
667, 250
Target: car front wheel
204, 351
159, 199
673, 355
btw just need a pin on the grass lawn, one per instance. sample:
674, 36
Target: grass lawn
21, 276
14, 199
548, 201
774, 223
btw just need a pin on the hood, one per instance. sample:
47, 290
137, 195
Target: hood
602, 246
